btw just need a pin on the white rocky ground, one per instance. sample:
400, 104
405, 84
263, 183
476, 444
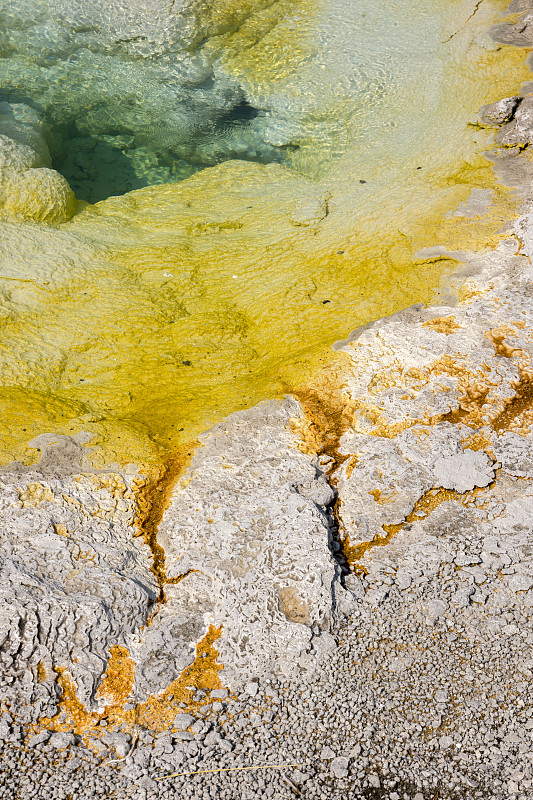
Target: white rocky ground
248, 527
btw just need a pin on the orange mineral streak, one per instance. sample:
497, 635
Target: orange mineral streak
478, 441
422, 508
473, 387
469, 292
351, 465
327, 415
153, 496
330, 410
117, 684
476, 407
517, 412
381, 498
446, 325
476, 410
156, 713
498, 336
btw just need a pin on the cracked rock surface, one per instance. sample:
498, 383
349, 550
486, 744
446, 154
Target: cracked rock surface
74, 581
248, 529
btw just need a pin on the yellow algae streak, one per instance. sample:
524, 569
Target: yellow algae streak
149, 316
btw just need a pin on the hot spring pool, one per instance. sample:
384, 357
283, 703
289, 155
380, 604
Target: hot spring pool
253, 180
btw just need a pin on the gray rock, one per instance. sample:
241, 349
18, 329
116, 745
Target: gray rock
464, 471
519, 582
212, 739
199, 727
38, 738
254, 448
251, 688
122, 749
519, 34
436, 608
463, 559
403, 580
339, 766
219, 694
60, 741
499, 113
183, 721
183, 736
520, 130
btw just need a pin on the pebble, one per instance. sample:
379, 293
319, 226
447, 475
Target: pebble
61, 740
251, 688
183, 721
339, 766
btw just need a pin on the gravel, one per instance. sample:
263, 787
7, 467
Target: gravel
410, 706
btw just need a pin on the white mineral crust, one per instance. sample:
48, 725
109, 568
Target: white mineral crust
247, 528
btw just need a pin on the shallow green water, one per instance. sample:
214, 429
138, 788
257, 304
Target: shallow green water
122, 116
125, 111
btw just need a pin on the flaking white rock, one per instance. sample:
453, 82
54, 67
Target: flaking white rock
253, 551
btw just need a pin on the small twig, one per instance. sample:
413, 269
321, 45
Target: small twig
291, 785
226, 769
131, 789
130, 751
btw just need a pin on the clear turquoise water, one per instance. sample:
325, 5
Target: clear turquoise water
121, 112
132, 99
